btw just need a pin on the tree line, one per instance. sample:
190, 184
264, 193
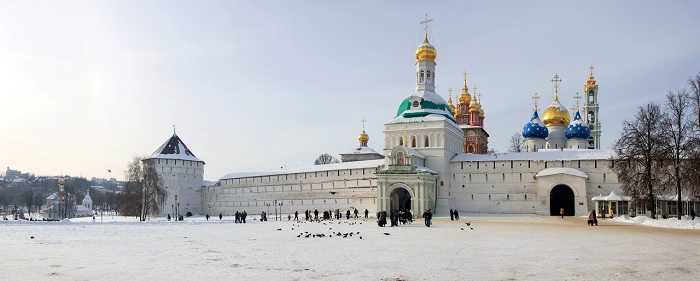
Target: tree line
658, 151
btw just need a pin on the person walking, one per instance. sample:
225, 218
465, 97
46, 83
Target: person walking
347, 215
456, 215
207, 216
366, 213
221, 215
452, 215
356, 212
428, 216
296, 215
692, 214
561, 212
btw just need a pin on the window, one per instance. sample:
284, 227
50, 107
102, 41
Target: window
422, 77
413, 141
590, 96
427, 143
429, 79
401, 141
400, 158
591, 117
415, 104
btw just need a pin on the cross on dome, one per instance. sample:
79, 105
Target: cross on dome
577, 97
591, 71
426, 21
556, 81
363, 124
535, 99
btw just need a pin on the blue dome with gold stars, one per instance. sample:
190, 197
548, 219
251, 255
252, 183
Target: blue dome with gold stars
535, 129
577, 129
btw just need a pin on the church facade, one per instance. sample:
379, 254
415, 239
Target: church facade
435, 156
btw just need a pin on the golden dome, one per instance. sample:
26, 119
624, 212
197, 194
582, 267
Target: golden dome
426, 51
481, 111
363, 137
464, 97
474, 106
556, 114
61, 182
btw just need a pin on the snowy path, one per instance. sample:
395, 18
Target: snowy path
517, 248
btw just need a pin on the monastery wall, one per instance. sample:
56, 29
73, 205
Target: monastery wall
184, 179
512, 186
323, 190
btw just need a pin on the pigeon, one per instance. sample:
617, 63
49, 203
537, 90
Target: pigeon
32, 237
468, 223
279, 229
462, 228
360, 237
387, 233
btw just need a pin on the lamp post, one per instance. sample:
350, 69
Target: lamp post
62, 197
281, 203
268, 210
177, 210
275, 204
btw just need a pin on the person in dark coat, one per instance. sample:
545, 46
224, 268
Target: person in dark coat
366, 213
456, 215
428, 216
452, 215
221, 215
296, 215
692, 214
347, 214
356, 213
207, 216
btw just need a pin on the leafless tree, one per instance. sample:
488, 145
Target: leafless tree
326, 159
516, 142
144, 190
640, 152
678, 125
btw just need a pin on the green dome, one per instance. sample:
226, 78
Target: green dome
430, 103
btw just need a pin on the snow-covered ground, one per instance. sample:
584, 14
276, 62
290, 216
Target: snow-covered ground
491, 248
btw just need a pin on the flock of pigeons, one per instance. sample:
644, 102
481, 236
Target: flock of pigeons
307, 234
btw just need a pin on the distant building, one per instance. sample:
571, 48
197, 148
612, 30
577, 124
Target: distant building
12, 174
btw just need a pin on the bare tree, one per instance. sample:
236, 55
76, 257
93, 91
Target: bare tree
144, 190
695, 97
326, 159
516, 142
678, 130
639, 155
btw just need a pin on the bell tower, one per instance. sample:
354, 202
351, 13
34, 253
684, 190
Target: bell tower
590, 109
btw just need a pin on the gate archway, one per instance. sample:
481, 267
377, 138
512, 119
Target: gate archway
400, 199
561, 196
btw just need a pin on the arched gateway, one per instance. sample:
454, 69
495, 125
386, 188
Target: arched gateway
561, 196
400, 199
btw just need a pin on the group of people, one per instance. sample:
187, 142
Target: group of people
396, 217
328, 215
454, 215
240, 217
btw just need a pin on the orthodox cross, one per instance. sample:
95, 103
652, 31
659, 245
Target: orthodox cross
556, 81
577, 97
535, 98
363, 124
450, 93
426, 21
591, 70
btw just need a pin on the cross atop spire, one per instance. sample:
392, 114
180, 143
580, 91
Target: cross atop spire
173, 129
577, 97
426, 21
556, 81
590, 71
535, 99
363, 124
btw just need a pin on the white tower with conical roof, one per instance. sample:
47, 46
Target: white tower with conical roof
182, 174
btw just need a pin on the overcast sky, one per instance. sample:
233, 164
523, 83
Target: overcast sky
258, 85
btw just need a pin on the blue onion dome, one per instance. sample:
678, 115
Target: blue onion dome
577, 129
535, 129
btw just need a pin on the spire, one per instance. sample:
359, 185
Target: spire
556, 82
426, 21
363, 137
174, 130
535, 99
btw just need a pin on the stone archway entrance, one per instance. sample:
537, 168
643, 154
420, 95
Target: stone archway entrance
561, 196
400, 199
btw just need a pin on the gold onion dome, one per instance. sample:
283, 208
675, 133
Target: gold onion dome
363, 137
481, 111
426, 51
474, 106
464, 97
556, 114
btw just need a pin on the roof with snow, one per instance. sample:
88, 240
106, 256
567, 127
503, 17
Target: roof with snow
535, 129
560, 171
362, 150
611, 197
430, 104
541, 155
174, 148
577, 129
315, 168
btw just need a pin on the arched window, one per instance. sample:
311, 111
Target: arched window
590, 96
401, 141
429, 79
427, 143
422, 77
413, 141
400, 158
591, 117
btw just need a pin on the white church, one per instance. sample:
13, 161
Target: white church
435, 156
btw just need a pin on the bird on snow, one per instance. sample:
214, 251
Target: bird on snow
279, 229
462, 228
468, 223
387, 233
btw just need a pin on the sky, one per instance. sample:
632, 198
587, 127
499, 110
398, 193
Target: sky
260, 85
